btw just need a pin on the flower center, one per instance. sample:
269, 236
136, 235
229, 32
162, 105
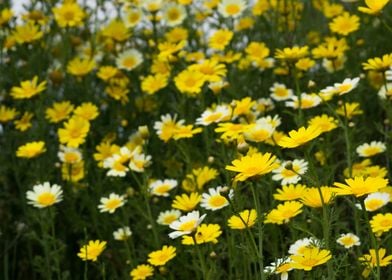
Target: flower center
46, 199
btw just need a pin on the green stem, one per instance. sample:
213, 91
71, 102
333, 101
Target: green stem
201, 259
347, 140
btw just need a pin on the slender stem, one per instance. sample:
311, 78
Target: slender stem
347, 139
260, 231
201, 259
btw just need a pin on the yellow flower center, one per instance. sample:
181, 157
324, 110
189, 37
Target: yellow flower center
345, 87
213, 117
113, 203
190, 82
232, 9
281, 92
71, 157
188, 226
162, 189
129, 62
173, 14
373, 204
386, 223
69, 15
371, 151
217, 201
46, 199
309, 262
169, 219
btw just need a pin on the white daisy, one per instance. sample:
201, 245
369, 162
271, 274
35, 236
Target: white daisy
44, 195
348, 240
186, 224
122, 234
69, 155
279, 92
298, 246
375, 201
369, 150
162, 187
346, 86
215, 115
111, 203
385, 91
139, 162
168, 216
129, 59
231, 8
307, 101
290, 176
213, 200
174, 14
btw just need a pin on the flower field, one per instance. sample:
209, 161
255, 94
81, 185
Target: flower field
196, 139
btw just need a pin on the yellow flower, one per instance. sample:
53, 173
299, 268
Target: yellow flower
153, 83
352, 109
304, 64
299, 137
379, 64
28, 89
257, 51
324, 122
253, 165
360, 186
190, 82
312, 198
186, 202
284, 212
116, 30
292, 54
290, 192
198, 177
7, 114
374, 7
381, 223
245, 219
310, 257
59, 111
105, 150
185, 131
212, 70
31, 149
72, 172
205, 233
24, 122
87, 111
370, 260
344, 24
142, 272
161, 257
27, 33
70, 14
105, 73
92, 250
80, 66
220, 39
5, 16
74, 132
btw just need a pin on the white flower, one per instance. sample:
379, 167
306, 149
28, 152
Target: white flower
279, 92
139, 162
129, 59
348, 240
186, 224
162, 187
174, 14
388, 74
299, 245
290, 176
216, 115
213, 200
385, 91
44, 195
111, 203
375, 201
346, 86
307, 101
168, 216
69, 155
231, 8
368, 150
122, 234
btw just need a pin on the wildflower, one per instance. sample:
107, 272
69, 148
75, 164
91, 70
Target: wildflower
254, 165
299, 137
290, 192
31, 149
69, 155
214, 115
174, 14
167, 217
370, 260
198, 178
379, 64
7, 114
139, 162
141, 272
259, 131
292, 54
111, 203
28, 89
59, 111
324, 122
312, 197
352, 109
133, 16
299, 246
307, 101
92, 250
161, 257
344, 24
284, 212
346, 86
74, 132
310, 258
244, 219
304, 64
44, 195
185, 131
190, 82
381, 223
162, 187
231, 8
69, 14
212, 70
205, 233
281, 266
348, 240
153, 83
375, 201
80, 66
72, 172
369, 150
105, 73
167, 127
87, 111
186, 202
289, 172
27, 33
129, 59
280, 92
117, 162
116, 30
213, 200
24, 122
243, 106
220, 39
122, 234
374, 7
360, 186
186, 224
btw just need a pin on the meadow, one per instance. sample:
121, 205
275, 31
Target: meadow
196, 139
